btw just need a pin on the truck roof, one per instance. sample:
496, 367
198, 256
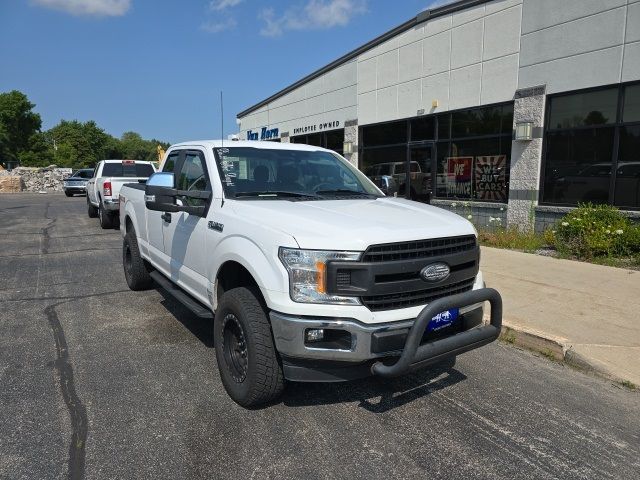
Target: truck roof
249, 143
113, 160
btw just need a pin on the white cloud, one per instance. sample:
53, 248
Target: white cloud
98, 8
222, 4
315, 14
217, 27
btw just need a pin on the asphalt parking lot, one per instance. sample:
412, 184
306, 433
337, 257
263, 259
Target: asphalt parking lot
102, 382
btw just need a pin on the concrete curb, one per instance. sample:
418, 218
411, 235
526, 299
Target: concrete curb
553, 348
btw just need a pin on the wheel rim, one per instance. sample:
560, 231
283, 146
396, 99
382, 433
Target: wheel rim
234, 348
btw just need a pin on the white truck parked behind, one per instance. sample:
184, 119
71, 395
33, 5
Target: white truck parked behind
308, 271
103, 188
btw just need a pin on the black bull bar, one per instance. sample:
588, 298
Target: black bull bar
416, 355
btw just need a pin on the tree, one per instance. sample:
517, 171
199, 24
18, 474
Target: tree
4, 139
595, 117
136, 148
71, 144
133, 146
40, 152
79, 144
18, 123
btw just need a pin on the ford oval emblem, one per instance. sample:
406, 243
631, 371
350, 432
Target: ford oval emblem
435, 272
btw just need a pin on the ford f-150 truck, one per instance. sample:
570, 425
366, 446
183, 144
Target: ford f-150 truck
103, 188
308, 271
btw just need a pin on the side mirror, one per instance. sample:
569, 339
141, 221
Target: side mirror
159, 194
388, 185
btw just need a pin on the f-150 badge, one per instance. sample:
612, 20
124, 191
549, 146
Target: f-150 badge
218, 227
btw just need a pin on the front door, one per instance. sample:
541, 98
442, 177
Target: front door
156, 221
184, 233
418, 172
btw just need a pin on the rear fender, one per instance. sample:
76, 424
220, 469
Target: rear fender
129, 211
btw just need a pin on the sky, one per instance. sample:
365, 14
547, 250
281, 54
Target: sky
158, 67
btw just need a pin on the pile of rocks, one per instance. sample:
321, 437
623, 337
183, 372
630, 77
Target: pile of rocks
32, 179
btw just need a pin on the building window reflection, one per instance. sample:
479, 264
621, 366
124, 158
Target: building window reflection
332, 139
467, 152
591, 144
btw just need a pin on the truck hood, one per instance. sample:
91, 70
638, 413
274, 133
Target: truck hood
353, 224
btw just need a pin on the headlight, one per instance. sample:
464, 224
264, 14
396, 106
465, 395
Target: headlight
308, 274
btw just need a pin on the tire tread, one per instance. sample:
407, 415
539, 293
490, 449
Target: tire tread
268, 381
139, 278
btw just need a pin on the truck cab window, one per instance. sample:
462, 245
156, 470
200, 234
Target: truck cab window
193, 176
170, 164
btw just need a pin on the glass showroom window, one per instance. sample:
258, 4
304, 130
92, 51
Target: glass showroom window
591, 144
384, 152
474, 152
468, 149
333, 140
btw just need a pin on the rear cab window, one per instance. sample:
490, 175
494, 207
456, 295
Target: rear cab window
127, 169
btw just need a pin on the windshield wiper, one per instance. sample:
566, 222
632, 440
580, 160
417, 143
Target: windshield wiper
275, 193
345, 191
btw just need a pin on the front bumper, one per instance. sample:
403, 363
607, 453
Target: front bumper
373, 349
74, 188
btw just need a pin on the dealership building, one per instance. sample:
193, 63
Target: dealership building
513, 111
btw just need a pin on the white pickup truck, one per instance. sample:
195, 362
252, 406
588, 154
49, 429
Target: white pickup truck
103, 188
308, 271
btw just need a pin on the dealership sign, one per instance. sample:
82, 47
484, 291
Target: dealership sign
316, 127
264, 134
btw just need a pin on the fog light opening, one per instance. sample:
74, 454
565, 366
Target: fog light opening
328, 338
313, 335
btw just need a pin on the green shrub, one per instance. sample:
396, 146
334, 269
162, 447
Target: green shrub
628, 243
511, 238
549, 237
596, 230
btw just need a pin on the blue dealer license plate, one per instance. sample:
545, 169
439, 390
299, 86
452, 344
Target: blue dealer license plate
443, 320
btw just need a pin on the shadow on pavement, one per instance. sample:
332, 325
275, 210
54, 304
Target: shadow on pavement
201, 329
375, 394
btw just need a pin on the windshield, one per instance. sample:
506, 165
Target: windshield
83, 174
127, 169
261, 173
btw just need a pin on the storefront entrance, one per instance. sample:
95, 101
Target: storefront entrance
419, 172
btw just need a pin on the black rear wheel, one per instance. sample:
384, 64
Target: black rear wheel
106, 218
249, 366
135, 269
91, 210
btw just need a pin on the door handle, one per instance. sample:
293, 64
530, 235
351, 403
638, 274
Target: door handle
166, 216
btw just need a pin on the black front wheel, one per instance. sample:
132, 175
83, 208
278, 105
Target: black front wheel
247, 359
